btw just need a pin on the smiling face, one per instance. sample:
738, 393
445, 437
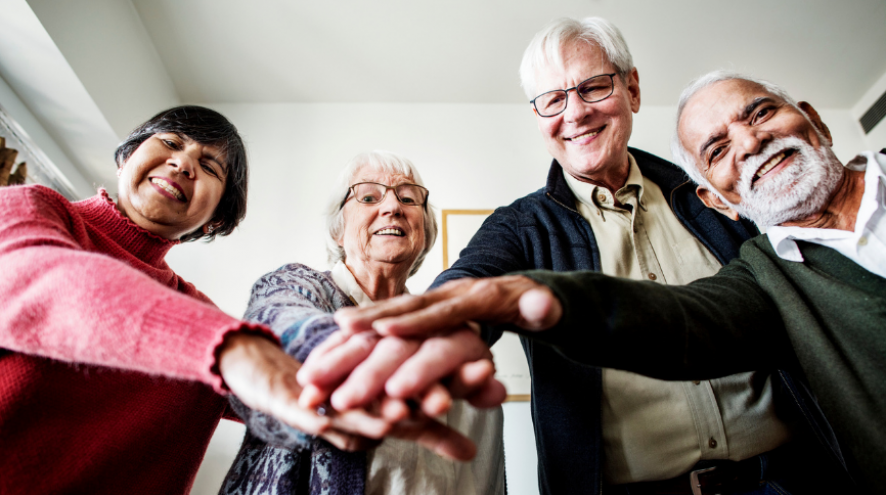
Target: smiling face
171, 185
590, 140
387, 232
766, 159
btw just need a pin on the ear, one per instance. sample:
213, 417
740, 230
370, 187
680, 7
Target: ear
633, 83
119, 171
816, 121
714, 202
208, 227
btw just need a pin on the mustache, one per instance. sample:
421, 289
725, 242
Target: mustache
753, 164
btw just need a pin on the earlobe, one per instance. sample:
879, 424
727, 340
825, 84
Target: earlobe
119, 172
714, 202
816, 121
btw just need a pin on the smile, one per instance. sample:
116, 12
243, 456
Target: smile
166, 186
586, 135
391, 231
772, 163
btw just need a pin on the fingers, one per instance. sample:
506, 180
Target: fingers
539, 309
436, 358
435, 400
394, 410
491, 394
349, 443
330, 366
360, 422
492, 300
470, 377
263, 377
367, 381
433, 435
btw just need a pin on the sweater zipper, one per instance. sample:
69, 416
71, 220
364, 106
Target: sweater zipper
573, 210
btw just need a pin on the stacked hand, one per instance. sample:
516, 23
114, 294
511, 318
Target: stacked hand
393, 366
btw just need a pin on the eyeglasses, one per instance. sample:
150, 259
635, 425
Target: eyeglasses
371, 193
591, 90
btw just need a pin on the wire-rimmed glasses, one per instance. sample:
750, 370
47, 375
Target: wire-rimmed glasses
590, 90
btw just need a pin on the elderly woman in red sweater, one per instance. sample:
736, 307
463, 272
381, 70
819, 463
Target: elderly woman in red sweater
113, 368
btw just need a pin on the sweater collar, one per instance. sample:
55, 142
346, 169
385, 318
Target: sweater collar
101, 211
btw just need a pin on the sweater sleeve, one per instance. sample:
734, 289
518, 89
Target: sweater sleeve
713, 327
298, 304
64, 302
496, 249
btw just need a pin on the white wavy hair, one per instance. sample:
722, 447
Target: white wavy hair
389, 163
546, 48
680, 154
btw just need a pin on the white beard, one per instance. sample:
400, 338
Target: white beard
798, 191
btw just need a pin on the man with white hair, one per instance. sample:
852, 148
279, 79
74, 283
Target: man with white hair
807, 297
627, 213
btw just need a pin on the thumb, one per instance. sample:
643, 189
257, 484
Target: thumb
539, 309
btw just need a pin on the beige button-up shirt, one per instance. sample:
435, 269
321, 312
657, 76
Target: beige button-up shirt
400, 467
654, 429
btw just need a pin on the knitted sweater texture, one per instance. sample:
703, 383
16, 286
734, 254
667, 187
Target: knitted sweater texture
108, 379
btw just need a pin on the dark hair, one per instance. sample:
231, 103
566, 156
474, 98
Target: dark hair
204, 126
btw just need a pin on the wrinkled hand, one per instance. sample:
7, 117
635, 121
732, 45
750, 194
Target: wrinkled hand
263, 378
512, 299
360, 368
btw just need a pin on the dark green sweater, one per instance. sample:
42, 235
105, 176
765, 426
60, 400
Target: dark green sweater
825, 318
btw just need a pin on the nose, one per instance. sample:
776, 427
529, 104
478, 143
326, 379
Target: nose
750, 140
184, 163
576, 108
390, 205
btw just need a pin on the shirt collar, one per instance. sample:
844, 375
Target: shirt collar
345, 280
586, 192
783, 239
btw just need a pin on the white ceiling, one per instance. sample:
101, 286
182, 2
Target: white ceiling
470, 50
112, 63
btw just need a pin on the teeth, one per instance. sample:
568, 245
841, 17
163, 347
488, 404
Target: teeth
396, 232
587, 135
168, 188
775, 160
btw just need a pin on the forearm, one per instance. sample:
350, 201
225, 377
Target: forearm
712, 327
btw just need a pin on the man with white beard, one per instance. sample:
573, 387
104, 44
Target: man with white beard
808, 297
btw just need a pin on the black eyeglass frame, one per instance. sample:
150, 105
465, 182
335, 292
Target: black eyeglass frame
567, 90
387, 188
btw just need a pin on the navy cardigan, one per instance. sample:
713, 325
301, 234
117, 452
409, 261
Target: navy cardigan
543, 230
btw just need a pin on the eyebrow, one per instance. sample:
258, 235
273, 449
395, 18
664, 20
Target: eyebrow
745, 113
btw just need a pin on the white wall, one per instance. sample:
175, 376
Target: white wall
471, 156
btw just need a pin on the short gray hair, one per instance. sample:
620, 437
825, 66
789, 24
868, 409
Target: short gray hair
681, 155
383, 161
547, 46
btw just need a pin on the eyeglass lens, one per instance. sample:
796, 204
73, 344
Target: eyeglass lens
591, 90
372, 193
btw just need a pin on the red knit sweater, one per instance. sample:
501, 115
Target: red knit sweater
107, 363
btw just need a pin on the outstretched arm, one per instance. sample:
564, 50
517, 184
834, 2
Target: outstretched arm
713, 327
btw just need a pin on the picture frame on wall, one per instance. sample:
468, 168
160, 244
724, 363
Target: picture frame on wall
458, 227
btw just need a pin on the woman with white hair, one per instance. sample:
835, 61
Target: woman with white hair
381, 227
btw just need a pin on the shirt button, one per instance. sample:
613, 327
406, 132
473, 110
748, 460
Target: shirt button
712, 443
696, 382
652, 276
602, 198
863, 241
